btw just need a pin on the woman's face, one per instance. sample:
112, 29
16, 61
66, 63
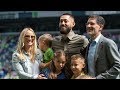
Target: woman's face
29, 38
60, 62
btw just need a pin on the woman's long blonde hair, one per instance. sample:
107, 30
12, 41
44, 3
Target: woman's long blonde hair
20, 45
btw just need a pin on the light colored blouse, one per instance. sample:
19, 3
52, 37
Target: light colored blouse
25, 68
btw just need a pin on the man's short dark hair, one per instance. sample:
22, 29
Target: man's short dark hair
69, 15
99, 19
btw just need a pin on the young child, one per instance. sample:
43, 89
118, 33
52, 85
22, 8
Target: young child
44, 43
56, 69
77, 66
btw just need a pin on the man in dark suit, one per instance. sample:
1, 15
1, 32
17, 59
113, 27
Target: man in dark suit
102, 57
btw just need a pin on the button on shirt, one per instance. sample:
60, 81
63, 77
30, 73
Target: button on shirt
71, 44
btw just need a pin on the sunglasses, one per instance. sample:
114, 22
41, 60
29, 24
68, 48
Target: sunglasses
28, 36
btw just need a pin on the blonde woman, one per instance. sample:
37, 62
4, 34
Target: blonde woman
27, 57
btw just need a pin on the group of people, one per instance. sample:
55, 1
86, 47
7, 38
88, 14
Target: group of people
69, 55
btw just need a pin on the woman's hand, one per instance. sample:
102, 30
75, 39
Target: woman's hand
41, 76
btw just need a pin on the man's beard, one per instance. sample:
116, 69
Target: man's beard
64, 31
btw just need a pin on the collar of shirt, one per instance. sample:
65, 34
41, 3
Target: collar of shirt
97, 39
70, 35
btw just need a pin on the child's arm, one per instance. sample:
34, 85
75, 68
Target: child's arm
45, 65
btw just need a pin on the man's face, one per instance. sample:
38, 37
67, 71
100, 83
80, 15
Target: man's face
93, 28
66, 24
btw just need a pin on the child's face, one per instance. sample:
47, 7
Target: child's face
59, 62
77, 66
41, 44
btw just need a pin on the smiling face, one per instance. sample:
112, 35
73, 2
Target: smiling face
93, 29
95, 25
29, 38
77, 66
66, 24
